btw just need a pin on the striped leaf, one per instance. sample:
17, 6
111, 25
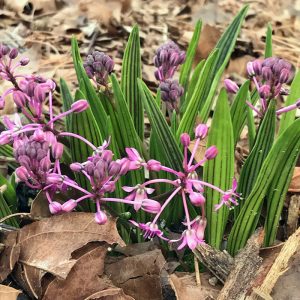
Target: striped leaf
288, 118
238, 110
186, 68
262, 145
219, 171
269, 47
9, 194
131, 71
7, 151
6, 211
280, 160
202, 98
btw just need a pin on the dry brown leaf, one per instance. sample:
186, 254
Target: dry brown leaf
8, 293
110, 294
201, 149
185, 288
295, 183
10, 255
47, 246
140, 276
84, 280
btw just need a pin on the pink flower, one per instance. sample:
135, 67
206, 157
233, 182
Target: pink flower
150, 229
228, 197
55, 207
151, 206
100, 217
135, 159
137, 194
197, 199
189, 238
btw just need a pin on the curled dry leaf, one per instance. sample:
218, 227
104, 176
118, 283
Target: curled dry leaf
48, 246
140, 276
10, 254
8, 293
295, 183
86, 278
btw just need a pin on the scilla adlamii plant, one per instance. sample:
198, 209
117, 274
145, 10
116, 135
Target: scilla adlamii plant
38, 150
116, 110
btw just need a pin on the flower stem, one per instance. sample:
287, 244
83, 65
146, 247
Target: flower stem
80, 138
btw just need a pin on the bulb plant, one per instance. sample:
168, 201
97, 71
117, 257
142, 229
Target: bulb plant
104, 159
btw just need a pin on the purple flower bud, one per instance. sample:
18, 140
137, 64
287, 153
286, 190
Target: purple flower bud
79, 106
257, 66
76, 167
266, 73
284, 76
174, 58
69, 205
185, 139
57, 150
153, 165
55, 207
100, 217
211, 152
107, 155
125, 165
114, 168
22, 173
19, 98
24, 61
39, 94
250, 69
151, 206
231, 86
5, 50
201, 131
54, 178
13, 53
197, 199
264, 91
45, 164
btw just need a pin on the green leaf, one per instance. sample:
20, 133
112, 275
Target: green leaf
131, 71
219, 171
202, 99
280, 159
6, 211
269, 50
197, 100
88, 90
262, 145
188, 64
288, 118
164, 134
9, 194
192, 85
67, 99
7, 151
238, 110
251, 127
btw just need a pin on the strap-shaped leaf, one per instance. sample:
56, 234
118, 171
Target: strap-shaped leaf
165, 137
6, 211
7, 151
288, 118
131, 71
219, 171
188, 64
9, 194
280, 159
262, 145
88, 90
238, 110
251, 127
269, 47
203, 101
187, 122
67, 99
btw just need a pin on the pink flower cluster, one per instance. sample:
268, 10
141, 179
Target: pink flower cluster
269, 76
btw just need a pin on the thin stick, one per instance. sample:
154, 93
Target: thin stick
13, 215
197, 272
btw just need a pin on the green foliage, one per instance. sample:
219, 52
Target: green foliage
219, 171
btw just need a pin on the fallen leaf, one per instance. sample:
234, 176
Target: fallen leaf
8, 293
140, 276
295, 183
185, 288
85, 279
10, 255
48, 245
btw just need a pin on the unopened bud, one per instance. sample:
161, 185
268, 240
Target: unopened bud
211, 152
151, 206
185, 139
24, 61
250, 69
264, 91
201, 131
45, 164
57, 150
153, 165
197, 199
76, 167
55, 207
13, 53
100, 217
69, 205
79, 106
22, 173
231, 86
